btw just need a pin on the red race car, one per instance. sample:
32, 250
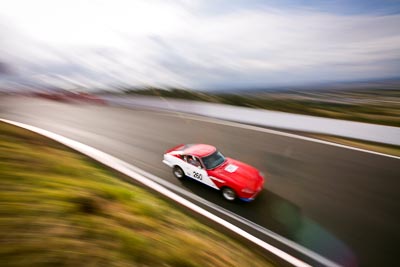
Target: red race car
207, 165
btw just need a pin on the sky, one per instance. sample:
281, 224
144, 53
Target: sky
205, 45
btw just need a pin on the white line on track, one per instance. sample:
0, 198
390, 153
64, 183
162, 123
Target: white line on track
126, 169
270, 131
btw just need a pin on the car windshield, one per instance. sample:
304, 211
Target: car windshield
214, 160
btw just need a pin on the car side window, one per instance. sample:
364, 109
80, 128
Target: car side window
192, 160
196, 162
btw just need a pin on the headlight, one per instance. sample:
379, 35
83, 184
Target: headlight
248, 191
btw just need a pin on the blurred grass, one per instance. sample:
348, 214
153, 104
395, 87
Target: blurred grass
58, 208
372, 146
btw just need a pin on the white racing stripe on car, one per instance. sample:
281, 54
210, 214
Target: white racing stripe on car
216, 179
133, 173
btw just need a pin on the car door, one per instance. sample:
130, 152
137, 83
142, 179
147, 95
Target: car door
190, 168
195, 169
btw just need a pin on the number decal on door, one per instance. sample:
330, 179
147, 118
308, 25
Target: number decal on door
197, 175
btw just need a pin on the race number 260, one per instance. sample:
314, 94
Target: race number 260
197, 175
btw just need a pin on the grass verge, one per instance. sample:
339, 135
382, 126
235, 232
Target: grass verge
364, 105
59, 208
372, 146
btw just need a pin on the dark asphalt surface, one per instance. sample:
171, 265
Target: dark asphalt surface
341, 203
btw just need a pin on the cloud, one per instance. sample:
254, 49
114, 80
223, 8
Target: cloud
176, 43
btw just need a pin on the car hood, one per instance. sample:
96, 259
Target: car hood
242, 173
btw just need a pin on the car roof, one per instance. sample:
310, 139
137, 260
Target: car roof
200, 150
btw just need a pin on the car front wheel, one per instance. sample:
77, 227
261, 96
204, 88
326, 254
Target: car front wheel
178, 172
228, 193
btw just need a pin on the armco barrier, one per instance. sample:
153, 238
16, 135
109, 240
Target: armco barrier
266, 118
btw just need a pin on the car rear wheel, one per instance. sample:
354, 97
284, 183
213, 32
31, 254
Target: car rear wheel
178, 172
228, 193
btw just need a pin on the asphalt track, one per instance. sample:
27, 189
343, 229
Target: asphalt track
343, 204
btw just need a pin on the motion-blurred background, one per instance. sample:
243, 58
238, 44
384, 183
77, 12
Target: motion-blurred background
133, 78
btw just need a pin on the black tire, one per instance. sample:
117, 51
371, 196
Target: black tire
178, 172
228, 193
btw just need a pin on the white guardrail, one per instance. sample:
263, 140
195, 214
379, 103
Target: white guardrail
357, 130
